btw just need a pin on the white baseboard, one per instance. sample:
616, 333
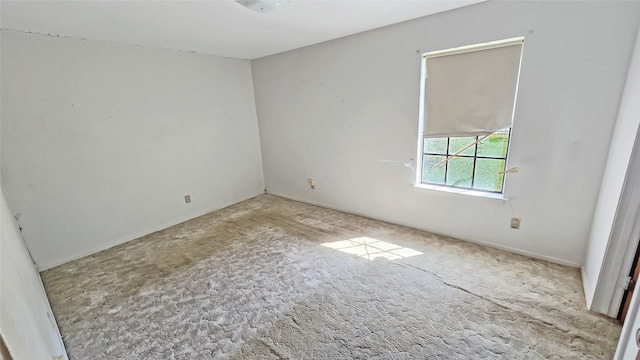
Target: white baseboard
127, 238
137, 235
475, 241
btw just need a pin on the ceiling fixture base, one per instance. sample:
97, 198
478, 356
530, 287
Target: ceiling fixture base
262, 6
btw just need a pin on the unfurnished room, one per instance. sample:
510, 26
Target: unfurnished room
309, 179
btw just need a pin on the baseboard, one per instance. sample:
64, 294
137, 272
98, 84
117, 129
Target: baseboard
128, 238
475, 241
140, 234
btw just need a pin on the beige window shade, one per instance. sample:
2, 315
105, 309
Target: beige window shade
471, 91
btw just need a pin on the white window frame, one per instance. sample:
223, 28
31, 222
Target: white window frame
421, 116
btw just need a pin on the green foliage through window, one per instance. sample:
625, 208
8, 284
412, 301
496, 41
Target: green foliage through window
475, 168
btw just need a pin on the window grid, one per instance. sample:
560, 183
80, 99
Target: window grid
446, 164
475, 156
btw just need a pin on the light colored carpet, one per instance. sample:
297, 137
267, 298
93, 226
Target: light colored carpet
254, 281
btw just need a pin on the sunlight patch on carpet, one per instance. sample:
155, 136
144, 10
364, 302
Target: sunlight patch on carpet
368, 248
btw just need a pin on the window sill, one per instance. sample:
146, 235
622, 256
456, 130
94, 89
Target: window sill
461, 191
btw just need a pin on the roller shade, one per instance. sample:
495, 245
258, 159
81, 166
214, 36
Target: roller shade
471, 91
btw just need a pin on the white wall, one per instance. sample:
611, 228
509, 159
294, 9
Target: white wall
26, 320
617, 206
101, 141
345, 112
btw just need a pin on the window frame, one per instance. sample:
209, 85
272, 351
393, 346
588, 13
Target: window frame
422, 114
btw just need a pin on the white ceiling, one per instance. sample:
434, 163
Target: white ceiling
219, 27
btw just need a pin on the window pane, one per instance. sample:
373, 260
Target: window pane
460, 172
487, 177
458, 143
435, 145
429, 174
495, 145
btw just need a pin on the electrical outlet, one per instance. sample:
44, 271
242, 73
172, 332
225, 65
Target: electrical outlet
515, 223
187, 198
312, 183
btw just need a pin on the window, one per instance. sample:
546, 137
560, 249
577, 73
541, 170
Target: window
479, 167
467, 109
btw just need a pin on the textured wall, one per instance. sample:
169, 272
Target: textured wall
100, 141
345, 112
26, 319
618, 200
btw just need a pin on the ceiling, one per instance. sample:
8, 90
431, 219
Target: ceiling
219, 27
